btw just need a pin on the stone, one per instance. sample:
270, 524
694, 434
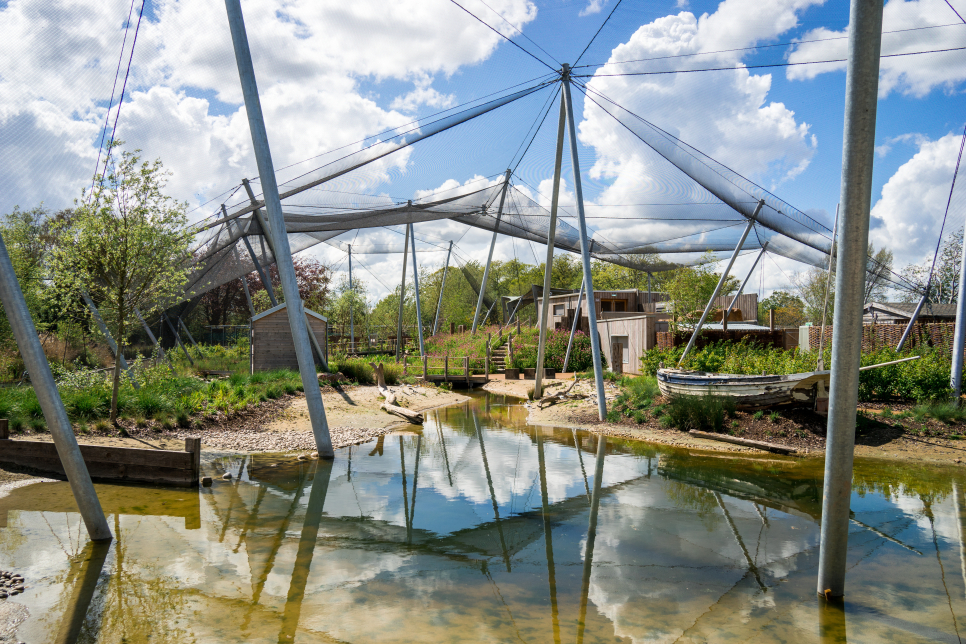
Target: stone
315, 454
226, 476
206, 481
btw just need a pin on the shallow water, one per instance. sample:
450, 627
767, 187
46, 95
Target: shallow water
480, 528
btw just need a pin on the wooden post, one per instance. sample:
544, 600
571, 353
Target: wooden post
405, 361
192, 445
425, 367
771, 319
4, 429
446, 368
509, 349
466, 368
486, 363
518, 326
452, 328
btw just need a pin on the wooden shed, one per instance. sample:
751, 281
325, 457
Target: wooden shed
271, 339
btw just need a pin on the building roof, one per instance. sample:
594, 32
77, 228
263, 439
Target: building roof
906, 309
276, 309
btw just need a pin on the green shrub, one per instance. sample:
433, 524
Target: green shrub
16, 424
946, 413
525, 351
758, 415
149, 403
774, 416
38, 425
698, 412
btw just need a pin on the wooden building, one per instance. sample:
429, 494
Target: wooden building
900, 312
271, 339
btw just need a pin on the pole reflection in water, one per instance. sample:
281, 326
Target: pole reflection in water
317, 551
591, 536
90, 563
308, 541
548, 539
489, 483
831, 621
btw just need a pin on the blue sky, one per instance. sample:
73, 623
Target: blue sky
331, 73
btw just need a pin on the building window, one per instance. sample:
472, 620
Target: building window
620, 305
558, 309
605, 306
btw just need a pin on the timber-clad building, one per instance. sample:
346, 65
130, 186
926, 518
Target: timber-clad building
271, 340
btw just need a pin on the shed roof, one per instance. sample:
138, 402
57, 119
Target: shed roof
276, 309
906, 309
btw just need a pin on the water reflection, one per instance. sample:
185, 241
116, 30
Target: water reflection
520, 533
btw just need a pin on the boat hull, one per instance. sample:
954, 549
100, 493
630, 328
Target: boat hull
748, 391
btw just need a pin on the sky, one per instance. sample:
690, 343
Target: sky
333, 73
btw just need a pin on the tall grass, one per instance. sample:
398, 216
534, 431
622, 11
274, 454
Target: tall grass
699, 412
358, 370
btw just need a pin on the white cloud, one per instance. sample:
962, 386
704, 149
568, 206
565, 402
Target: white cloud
911, 75
741, 128
913, 138
594, 6
183, 101
907, 217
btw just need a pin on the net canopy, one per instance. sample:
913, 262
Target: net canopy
705, 209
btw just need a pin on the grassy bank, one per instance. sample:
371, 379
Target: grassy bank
170, 399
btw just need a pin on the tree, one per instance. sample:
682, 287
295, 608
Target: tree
945, 280
127, 247
789, 308
690, 288
877, 277
313, 279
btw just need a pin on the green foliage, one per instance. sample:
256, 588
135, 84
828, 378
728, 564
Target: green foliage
699, 412
126, 246
358, 370
947, 413
758, 415
581, 357
921, 380
637, 395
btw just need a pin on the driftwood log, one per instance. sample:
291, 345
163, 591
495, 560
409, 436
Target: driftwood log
762, 445
554, 399
390, 406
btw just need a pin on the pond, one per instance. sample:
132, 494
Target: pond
477, 527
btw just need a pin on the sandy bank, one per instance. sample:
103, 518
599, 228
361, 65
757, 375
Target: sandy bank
353, 415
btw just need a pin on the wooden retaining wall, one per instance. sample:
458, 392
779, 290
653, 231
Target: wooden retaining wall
114, 464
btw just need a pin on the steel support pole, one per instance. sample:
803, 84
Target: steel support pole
721, 282
914, 318
548, 266
248, 295
110, 339
861, 88
402, 298
45, 388
959, 337
266, 237
489, 257
828, 281
154, 340
573, 327
283, 254
352, 321
419, 314
442, 290
585, 250
745, 282
177, 337
187, 332
649, 297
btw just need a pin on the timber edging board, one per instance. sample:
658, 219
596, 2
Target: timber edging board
114, 464
768, 447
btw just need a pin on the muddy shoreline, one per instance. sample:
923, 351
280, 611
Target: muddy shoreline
801, 429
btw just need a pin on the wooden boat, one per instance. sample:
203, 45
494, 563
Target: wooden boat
748, 390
